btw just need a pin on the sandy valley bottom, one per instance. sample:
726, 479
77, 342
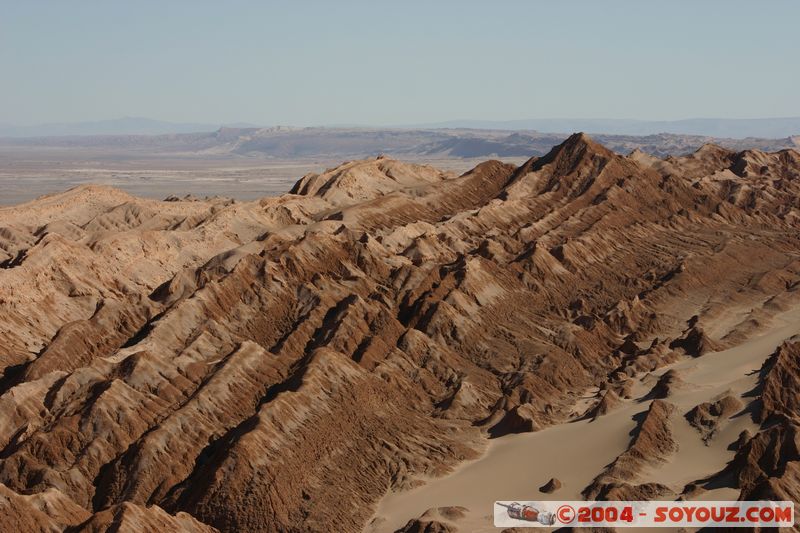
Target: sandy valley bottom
25, 176
513, 467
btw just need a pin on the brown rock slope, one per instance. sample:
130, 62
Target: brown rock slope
767, 464
652, 443
279, 365
707, 417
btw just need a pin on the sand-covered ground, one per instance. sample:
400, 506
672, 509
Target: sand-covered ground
514, 467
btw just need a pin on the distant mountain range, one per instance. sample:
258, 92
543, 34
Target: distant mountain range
119, 126
287, 143
765, 128
769, 128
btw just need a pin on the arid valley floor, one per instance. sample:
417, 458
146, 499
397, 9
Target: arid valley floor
392, 346
250, 163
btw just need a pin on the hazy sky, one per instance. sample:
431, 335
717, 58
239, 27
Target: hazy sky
401, 62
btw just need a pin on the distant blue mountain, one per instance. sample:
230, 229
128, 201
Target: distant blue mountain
770, 128
767, 128
120, 126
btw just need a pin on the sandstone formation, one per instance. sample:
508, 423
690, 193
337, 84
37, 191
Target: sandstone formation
652, 443
551, 486
767, 464
608, 401
666, 384
441, 520
708, 417
279, 365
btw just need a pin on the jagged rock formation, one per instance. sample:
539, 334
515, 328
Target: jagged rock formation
49, 510
608, 401
441, 520
427, 526
128, 517
254, 365
652, 443
666, 384
707, 417
694, 342
767, 464
779, 394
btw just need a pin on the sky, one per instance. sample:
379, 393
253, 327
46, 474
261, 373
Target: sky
391, 63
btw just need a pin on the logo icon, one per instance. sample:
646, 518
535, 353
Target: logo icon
527, 513
565, 514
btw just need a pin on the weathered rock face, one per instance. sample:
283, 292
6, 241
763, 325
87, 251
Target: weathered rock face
427, 526
779, 395
694, 342
708, 417
279, 365
131, 518
666, 384
608, 401
551, 486
652, 444
441, 520
767, 464
48, 510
